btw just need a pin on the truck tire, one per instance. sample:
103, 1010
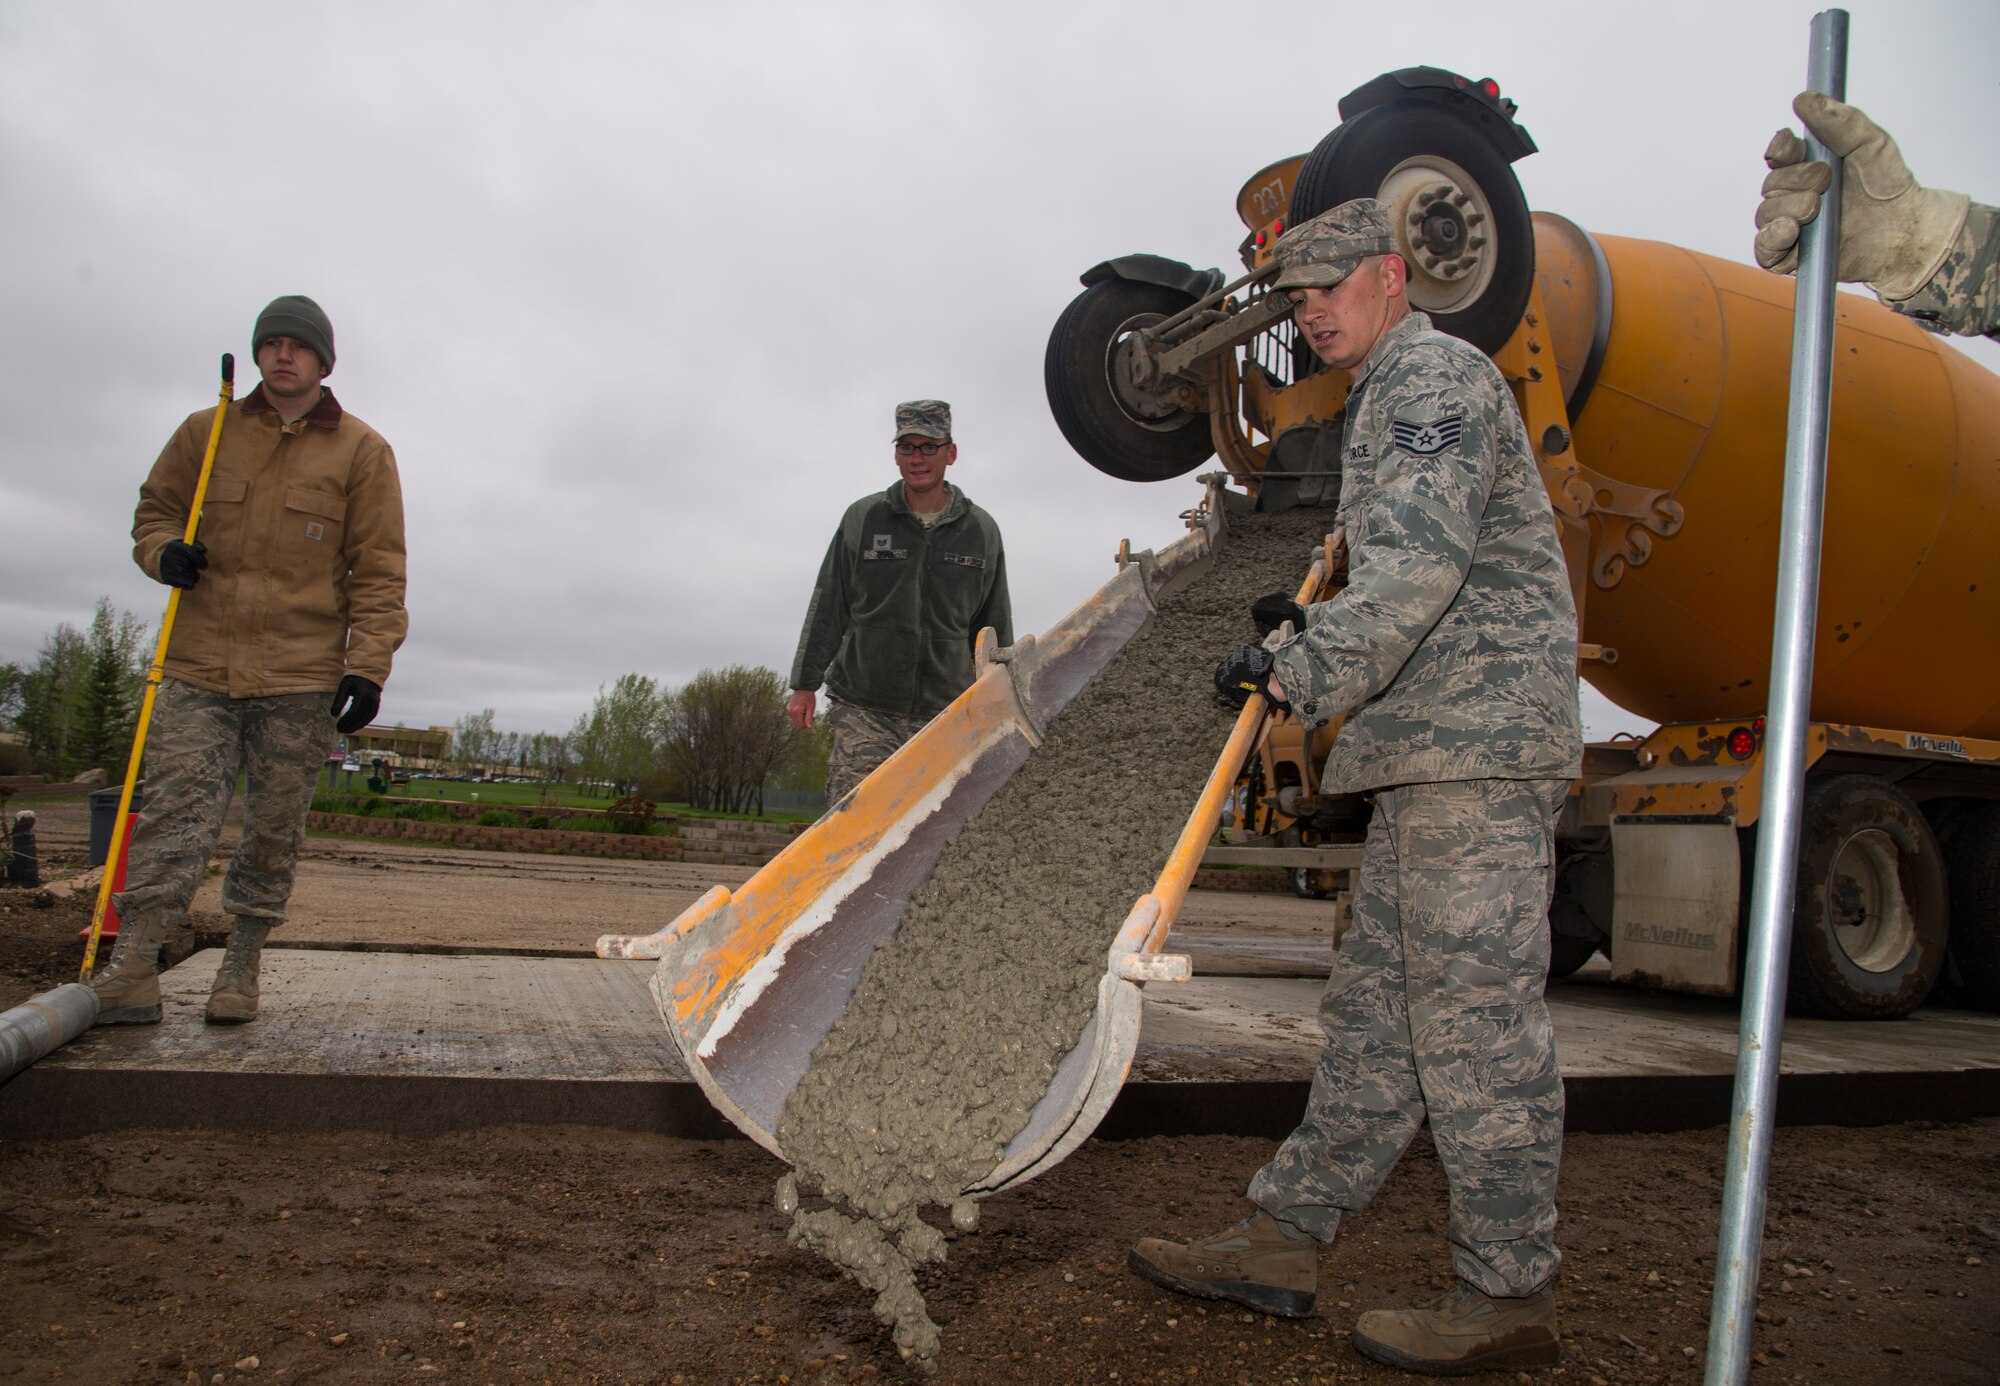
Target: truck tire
1869, 909
1130, 439
1972, 866
1579, 910
1567, 955
1398, 152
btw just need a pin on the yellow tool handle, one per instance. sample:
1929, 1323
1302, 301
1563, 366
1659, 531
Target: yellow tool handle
1177, 876
154, 674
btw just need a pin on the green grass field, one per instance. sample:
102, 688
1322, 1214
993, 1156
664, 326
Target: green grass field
464, 791
528, 796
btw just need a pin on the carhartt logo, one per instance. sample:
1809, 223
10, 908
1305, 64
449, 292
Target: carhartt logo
315, 530
1428, 439
1663, 936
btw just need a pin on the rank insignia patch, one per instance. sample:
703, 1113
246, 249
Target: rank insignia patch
1428, 439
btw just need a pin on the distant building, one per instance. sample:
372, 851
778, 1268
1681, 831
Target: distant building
411, 748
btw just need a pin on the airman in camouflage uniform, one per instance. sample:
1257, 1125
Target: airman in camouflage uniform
1931, 255
863, 737
1452, 652
913, 574
291, 600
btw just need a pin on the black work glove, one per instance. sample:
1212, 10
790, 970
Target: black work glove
361, 698
1242, 673
181, 564
1273, 609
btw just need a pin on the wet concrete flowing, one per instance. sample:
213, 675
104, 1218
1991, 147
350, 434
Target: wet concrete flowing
959, 1020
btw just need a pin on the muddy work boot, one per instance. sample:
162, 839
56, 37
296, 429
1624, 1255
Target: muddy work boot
233, 998
128, 989
1463, 1331
1259, 1263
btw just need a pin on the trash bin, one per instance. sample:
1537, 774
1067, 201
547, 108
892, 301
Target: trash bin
104, 818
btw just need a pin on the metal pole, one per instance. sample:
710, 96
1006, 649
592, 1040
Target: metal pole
1732, 1318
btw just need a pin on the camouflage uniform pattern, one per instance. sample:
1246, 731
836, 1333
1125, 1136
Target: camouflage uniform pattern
199, 742
1454, 644
1963, 297
1452, 650
1434, 1008
1320, 253
927, 418
862, 739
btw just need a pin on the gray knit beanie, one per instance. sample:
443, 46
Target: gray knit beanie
299, 318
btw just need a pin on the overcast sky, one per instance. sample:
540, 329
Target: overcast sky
633, 288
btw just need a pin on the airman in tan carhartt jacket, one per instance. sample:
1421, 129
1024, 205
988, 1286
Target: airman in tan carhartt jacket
290, 609
303, 531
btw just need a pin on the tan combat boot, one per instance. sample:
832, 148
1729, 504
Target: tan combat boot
128, 989
1260, 1263
233, 998
1463, 1331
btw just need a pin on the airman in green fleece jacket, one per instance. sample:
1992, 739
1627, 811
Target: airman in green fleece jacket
912, 576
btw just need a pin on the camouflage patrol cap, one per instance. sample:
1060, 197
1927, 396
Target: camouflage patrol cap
1318, 254
927, 418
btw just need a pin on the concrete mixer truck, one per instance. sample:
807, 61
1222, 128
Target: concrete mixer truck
1653, 382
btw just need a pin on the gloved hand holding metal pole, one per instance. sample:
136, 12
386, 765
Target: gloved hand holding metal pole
1760, 1032
190, 558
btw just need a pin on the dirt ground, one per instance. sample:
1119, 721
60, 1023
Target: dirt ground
584, 1255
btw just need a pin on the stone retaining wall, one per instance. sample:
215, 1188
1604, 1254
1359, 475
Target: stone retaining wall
464, 811
753, 847
722, 842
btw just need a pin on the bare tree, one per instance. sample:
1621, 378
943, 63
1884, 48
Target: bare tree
586, 744
473, 740
726, 734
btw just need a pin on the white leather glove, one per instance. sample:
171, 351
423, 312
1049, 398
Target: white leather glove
1894, 232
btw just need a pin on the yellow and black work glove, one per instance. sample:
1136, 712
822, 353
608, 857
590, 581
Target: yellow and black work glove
362, 699
1243, 673
1273, 609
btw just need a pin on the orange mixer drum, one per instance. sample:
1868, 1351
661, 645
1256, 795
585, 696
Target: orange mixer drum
1688, 407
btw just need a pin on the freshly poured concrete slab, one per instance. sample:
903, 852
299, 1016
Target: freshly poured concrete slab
1222, 1053
451, 1016
420, 1044
416, 1044
1254, 1026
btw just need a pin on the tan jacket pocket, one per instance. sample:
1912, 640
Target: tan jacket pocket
221, 527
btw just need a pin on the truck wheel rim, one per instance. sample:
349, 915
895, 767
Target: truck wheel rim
1445, 223
1158, 409
1871, 920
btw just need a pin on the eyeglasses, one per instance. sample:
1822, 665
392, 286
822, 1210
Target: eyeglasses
927, 449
